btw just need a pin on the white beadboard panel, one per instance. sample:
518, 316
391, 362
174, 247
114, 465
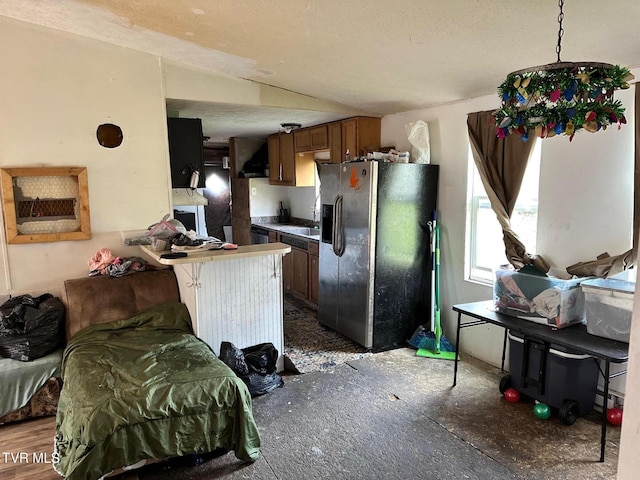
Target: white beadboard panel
241, 301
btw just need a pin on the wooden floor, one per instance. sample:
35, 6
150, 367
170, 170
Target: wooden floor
26, 450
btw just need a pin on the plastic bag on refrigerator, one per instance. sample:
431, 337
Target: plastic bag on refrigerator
418, 135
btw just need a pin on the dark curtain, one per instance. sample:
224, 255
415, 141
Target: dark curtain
501, 163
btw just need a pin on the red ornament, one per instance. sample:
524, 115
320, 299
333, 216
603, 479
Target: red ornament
512, 395
614, 416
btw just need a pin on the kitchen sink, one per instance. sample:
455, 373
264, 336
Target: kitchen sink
306, 231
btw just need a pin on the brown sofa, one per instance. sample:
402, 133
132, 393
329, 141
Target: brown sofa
91, 300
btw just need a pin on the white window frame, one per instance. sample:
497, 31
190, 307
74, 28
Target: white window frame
484, 274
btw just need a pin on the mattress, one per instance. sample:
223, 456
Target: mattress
147, 388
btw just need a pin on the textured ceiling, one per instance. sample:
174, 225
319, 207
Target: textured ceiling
382, 56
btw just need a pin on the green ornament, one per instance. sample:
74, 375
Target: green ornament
542, 411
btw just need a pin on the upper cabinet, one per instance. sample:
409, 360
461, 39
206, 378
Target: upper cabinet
291, 155
311, 139
185, 151
335, 142
286, 167
359, 135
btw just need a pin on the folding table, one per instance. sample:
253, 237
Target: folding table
574, 337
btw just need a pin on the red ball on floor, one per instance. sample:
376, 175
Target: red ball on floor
512, 395
614, 416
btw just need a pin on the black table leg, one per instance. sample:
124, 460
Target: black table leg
605, 404
504, 349
455, 366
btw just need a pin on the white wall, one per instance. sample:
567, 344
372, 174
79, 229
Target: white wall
264, 199
57, 89
586, 193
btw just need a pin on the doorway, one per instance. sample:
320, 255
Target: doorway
217, 190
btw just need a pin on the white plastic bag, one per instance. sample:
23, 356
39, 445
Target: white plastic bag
418, 135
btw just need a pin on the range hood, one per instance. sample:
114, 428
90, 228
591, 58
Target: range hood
187, 196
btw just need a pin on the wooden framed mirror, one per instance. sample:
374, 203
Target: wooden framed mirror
45, 204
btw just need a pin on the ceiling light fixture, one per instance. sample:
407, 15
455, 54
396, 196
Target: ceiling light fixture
289, 127
561, 97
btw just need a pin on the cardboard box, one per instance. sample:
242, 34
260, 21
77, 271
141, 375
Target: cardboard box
547, 300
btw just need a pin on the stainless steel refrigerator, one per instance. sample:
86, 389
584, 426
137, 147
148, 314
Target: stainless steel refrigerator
375, 259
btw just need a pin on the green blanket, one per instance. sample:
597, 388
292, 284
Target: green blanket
146, 387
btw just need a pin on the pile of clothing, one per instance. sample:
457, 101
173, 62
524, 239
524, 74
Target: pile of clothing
104, 262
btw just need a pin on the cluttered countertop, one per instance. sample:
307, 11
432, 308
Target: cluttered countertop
164, 256
168, 243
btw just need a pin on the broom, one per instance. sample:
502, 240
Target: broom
433, 344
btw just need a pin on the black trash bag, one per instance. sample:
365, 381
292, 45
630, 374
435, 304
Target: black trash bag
234, 358
31, 327
261, 358
256, 366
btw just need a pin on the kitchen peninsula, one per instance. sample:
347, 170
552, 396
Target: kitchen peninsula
233, 295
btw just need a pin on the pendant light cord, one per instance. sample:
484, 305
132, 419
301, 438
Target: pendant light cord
560, 30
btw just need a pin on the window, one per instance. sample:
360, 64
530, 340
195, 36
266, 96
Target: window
485, 246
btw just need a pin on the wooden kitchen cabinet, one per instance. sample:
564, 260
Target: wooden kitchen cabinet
319, 137
314, 272
359, 135
300, 269
301, 140
273, 237
336, 154
295, 272
241, 213
300, 272
286, 167
287, 271
311, 139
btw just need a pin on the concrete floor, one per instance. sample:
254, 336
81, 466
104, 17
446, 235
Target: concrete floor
395, 416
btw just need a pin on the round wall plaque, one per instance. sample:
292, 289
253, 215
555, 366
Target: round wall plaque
109, 135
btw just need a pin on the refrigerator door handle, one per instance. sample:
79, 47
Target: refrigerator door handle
337, 239
334, 230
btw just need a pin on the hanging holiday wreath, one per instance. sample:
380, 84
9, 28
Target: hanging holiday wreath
561, 98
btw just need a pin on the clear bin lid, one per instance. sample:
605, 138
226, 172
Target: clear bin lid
610, 284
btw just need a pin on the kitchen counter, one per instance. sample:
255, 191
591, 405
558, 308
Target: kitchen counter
233, 295
213, 255
308, 233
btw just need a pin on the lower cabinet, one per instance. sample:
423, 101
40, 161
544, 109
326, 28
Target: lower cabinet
300, 272
287, 271
314, 272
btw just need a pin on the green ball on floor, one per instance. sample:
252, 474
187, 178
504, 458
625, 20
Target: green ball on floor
542, 411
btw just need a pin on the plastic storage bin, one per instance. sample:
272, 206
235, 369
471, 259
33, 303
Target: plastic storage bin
608, 307
547, 300
552, 374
